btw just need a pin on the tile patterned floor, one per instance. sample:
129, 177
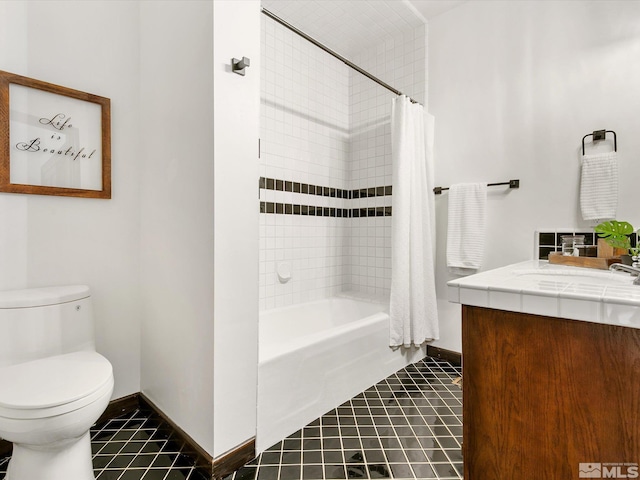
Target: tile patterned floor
408, 426
139, 446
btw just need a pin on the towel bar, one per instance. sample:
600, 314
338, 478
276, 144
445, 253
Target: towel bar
601, 135
511, 183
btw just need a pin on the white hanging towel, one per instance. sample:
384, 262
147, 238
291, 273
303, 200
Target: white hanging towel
466, 229
413, 308
599, 186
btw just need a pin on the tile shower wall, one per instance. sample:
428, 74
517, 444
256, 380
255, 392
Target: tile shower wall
401, 62
325, 125
304, 139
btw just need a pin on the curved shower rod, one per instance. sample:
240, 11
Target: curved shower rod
349, 63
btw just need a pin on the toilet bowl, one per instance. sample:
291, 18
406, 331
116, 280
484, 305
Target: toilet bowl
52, 395
46, 410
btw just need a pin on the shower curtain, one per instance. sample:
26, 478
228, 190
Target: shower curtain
413, 308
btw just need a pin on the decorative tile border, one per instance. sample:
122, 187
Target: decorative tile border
322, 191
312, 211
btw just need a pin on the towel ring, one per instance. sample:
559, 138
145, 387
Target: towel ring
601, 135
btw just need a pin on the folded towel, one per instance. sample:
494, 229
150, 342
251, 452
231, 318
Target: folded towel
466, 229
599, 186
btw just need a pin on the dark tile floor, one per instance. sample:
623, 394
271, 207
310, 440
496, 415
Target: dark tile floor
408, 426
139, 446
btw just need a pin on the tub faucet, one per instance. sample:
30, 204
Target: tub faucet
634, 271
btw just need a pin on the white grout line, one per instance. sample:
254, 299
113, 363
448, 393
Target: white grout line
372, 398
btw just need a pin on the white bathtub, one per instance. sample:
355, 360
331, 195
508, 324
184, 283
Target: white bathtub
315, 356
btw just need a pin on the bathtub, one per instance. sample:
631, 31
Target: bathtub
315, 356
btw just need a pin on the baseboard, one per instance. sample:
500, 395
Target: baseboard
203, 459
234, 459
218, 468
450, 356
5, 448
119, 407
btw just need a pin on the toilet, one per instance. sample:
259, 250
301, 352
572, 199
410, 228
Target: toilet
53, 384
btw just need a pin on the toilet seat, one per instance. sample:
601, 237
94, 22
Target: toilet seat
54, 385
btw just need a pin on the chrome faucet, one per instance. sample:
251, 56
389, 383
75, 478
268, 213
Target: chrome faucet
634, 271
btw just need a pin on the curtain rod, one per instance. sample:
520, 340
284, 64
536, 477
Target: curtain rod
334, 54
511, 183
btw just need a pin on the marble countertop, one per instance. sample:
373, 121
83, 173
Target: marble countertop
540, 288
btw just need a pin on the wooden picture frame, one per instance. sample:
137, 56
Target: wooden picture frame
53, 140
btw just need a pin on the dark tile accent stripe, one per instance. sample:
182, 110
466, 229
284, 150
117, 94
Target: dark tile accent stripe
313, 211
321, 191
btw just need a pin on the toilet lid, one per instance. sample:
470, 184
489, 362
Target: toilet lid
53, 381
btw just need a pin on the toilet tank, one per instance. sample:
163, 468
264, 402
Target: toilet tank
42, 322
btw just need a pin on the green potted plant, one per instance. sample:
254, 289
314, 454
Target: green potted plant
617, 235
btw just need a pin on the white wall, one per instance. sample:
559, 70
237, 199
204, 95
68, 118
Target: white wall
177, 257
149, 252
236, 33
47, 240
199, 229
514, 86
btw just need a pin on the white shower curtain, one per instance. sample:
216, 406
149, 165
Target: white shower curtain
413, 308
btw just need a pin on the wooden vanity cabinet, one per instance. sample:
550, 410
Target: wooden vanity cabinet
541, 395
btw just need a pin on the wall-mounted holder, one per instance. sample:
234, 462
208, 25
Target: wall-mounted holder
239, 66
511, 183
601, 135
284, 272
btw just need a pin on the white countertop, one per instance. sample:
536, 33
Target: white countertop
540, 288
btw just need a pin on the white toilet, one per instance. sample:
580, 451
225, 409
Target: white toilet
53, 384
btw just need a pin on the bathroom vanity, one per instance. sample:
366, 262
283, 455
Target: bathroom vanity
551, 369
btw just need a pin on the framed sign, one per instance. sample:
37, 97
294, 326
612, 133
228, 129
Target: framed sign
53, 140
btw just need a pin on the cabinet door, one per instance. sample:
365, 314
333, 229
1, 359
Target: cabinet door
544, 395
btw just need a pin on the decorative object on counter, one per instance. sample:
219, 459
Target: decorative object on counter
601, 263
599, 181
617, 235
614, 244
571, 245
53, 140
